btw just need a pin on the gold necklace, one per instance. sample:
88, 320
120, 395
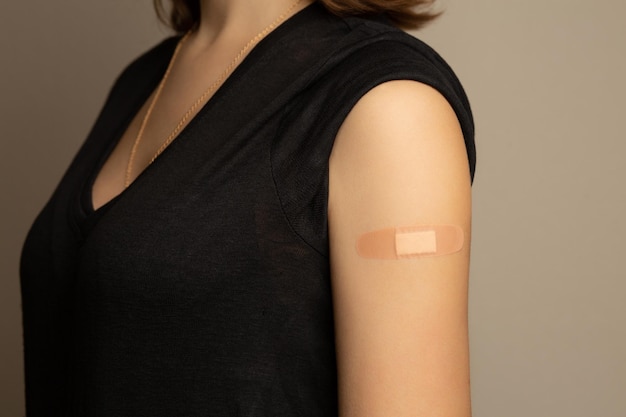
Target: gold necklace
181, 124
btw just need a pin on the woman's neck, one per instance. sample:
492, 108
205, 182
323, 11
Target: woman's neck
233, 19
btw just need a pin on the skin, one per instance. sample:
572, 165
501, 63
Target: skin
401, 325
398, 160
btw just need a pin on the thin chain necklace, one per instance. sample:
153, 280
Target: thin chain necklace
183, 121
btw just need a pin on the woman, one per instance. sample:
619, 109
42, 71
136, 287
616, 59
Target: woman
271, 216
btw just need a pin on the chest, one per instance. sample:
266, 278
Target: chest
187, 85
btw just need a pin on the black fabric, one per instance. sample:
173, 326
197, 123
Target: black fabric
204, 288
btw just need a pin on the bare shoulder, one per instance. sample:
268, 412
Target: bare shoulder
399, 159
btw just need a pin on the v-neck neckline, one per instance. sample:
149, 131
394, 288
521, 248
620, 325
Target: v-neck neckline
86, 195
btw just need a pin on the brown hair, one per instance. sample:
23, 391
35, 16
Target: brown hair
408, 14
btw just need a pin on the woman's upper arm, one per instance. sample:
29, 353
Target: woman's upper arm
399, 159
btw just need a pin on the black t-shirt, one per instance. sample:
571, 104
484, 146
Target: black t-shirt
203, 289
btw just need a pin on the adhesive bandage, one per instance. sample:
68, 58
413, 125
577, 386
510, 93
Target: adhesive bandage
410, 242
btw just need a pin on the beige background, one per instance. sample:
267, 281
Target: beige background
546, 79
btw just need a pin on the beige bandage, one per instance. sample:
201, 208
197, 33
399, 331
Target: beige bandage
410, 242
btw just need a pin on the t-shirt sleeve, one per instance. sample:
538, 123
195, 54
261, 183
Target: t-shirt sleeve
302, 150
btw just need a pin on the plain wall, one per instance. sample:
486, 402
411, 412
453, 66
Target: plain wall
546, 80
